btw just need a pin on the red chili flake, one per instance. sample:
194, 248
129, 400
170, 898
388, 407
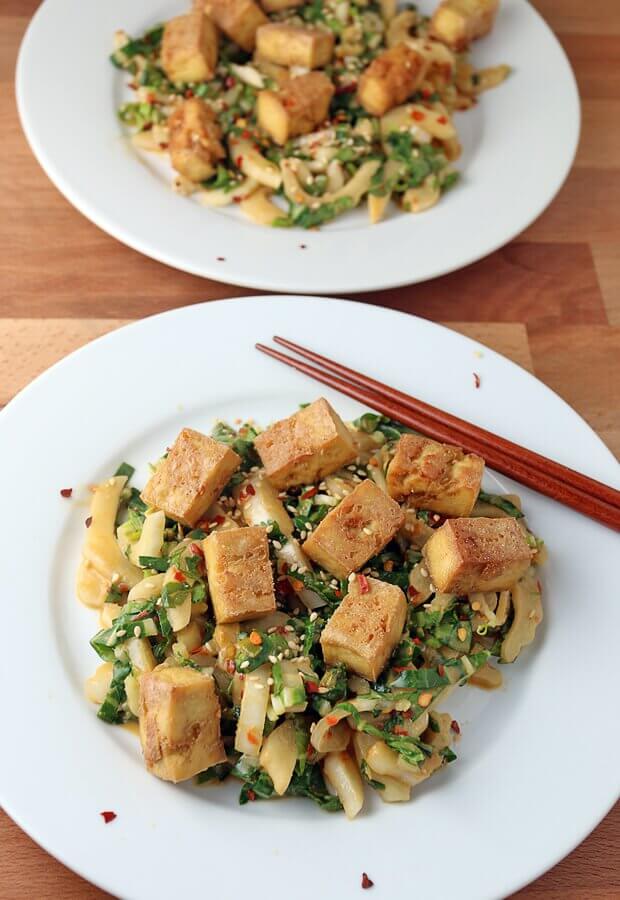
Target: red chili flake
229, 81
230, 666
311, 492
237, 199
417, 115
163, 145
123, 588
197, 550
132, 85
221, 258
426, 93
332, 720
454, 725
219, 520
442, 120
250, 490
407, 714
402, 731
66, 492
179, 576
366, 882
363, 583
312, 687
402, 668
189, 93
88, 522
346, 88
338, 593
476, 380
251, 795
142, 615
441, 670
302, 246
417, 641
200, 649
108, 816
147, 126
412, 591
246, 134
239, 161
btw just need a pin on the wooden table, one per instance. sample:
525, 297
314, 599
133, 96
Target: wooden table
550, 301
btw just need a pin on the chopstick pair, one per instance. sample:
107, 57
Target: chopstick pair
588, 496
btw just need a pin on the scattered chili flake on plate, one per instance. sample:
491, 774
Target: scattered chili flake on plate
88, 522
108, 816
363, 583
454, 725
66, 492
221, 258
366, 882
303, 246
476, 380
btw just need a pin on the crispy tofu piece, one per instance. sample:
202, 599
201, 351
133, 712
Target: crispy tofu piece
189, 47
271, 6
195, 140
304, 448
179, 720
479, 554
191, 477
295, 45
239, 573
391, 78
239, 19
358, 528
434, 476
459, 22
297, 108
365, 628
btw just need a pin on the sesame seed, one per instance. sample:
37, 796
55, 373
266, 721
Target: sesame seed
292, 645
270, 681
291, 509
137, 631
424, 573
352, 577
436, 518
280, 656
361, 472
289, 628
302, 570
351, 468
245, 664
366, 530
273, 659
308, 526
356, 478
261, 687
277, 545
313, 616
323, 486
269, 529
296, 611
272, 630
303, 535
121, 633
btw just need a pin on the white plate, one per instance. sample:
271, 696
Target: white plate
519, 144
537, 765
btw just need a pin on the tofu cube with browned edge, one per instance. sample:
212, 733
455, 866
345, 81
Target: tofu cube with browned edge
434, 476
310, 444
478, 554
238, 19
179, 722
391, 78
189, 47
459, 22
358, 528
366, 627
297, 108
191, 477
294, 45
195, 140
239, 574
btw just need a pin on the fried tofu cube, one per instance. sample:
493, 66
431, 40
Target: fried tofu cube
358, 528
294, 45
191, 477
238, 19
271, 6
195, 140
459, 22
297, 108
310, 444
179, 721
391, 78
479, 554
189, 47
366, 627
239, 573
434, 476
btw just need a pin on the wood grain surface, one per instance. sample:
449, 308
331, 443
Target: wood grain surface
550, 300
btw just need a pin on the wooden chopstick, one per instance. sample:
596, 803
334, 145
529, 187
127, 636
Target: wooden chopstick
544, 482
464, 429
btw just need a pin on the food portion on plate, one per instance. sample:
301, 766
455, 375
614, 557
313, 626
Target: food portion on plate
297, 111
290, 606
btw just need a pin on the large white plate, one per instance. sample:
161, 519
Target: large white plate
518, 143
537, 765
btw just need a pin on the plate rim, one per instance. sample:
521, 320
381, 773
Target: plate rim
325, 285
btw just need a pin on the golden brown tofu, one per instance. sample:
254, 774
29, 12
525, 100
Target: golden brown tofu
238, 19
239, 573
271, 6
391, 78
467, 555
366, 627
459, 22
191, 477
179, 719
434, 476
189, 47
358, 528
304, 448
297, 108
294, 45
195, 140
